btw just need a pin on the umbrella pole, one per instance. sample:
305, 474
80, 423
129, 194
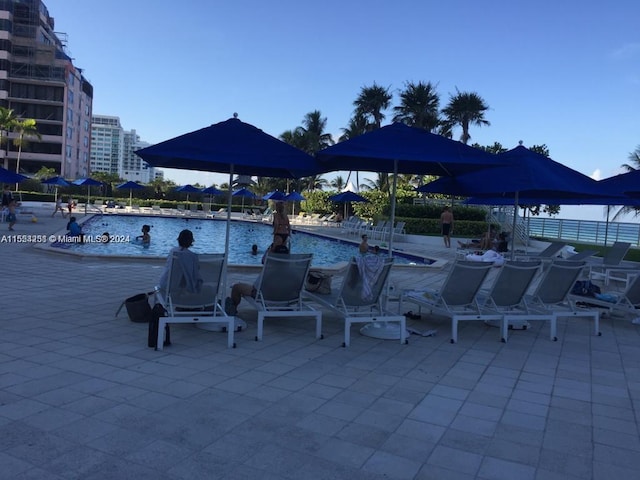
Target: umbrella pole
606, 227
226, 235
130, 197
393, 206
513, 229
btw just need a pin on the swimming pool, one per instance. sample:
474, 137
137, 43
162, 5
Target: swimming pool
209, 237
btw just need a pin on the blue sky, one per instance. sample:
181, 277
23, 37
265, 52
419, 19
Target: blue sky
565, 74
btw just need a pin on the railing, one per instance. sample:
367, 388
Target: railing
584, 231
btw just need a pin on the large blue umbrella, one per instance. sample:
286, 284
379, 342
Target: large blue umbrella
57, 182
131, 186
7, 176
88, 182
398, 148
232, 147
212, 191
525, 174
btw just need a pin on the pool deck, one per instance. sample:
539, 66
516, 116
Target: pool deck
82, 397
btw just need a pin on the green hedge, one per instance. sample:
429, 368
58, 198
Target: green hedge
434, 211
431, 226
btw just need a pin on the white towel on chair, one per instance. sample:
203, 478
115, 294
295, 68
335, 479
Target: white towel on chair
370, 267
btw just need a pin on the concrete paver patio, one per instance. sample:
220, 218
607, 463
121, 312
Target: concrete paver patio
82, 397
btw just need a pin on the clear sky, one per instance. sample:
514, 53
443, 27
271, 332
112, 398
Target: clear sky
561, 73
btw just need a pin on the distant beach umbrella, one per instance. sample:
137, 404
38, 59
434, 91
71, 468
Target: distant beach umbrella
131, 186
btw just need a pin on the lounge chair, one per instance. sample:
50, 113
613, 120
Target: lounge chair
183, 306
552, 296
580, 256
279, 290
625, 303
359, 300
458, 297
547, 254
507, 294
611, 266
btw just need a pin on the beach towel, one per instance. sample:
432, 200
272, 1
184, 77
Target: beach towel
188, 264
488, 256
370, 267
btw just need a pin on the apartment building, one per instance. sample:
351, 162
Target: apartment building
39, 80
112, 150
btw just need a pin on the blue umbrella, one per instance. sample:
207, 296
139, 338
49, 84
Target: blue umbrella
7, 176
232, 147
398, 148
294, 197
347, 197
244, 192
89, 182
57, 182
212, 191
275, 196
131, 186
188, 189
524, 173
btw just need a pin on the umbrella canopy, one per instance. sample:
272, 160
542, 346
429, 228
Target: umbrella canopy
398, 148
88, 182
231, 146
131, 186
347, 196
275, 195
57, 181
627, 183
188, 189
525, 174
244, 192
7, 176
294, 197
212, 191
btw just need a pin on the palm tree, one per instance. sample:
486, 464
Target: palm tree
312, 131
634, 164
371, 102
419, 106
293, 137
315, 182
24, 128
7, 122
381, 183
357, 126
465, 109
338, 183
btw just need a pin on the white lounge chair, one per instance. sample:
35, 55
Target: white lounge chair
458, 297
279, 290
183, 306
552, 296
507, 294
626, 303
547, 254
611, 266
359, 300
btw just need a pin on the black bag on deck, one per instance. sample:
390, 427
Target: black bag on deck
138, 308
156, 312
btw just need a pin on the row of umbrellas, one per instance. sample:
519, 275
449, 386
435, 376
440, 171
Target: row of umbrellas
235, 147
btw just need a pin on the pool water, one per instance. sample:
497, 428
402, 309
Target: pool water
209, 235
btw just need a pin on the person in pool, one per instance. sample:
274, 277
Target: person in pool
145, 238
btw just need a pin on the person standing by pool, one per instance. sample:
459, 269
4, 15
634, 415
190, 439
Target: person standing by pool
7, 196
446, 223
58, 208
11, 216
281, 225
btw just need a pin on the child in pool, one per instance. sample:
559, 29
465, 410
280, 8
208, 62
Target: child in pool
145, 238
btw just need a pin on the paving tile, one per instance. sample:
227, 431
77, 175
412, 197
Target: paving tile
456, 460
499, 469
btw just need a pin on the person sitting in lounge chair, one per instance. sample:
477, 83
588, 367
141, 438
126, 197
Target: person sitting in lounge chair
189, 261
485, 242
240, 290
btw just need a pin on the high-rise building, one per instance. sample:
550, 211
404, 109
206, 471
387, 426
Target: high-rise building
112, 150
38, 80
